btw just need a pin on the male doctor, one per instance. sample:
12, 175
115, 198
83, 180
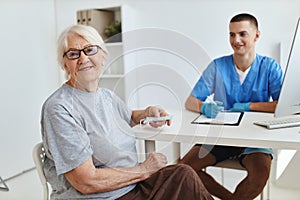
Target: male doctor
243, 81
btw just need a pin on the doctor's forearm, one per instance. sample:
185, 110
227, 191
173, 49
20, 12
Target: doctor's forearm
193, 104
263, 106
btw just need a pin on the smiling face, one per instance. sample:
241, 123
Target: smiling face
243, 36
85, 70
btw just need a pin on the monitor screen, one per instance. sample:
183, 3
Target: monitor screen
289, 98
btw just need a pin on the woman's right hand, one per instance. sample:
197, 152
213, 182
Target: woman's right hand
153, 163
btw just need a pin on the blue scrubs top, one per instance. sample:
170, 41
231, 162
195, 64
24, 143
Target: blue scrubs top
220, 78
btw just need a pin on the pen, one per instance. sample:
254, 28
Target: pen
210, 99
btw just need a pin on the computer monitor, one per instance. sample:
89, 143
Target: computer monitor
289, 98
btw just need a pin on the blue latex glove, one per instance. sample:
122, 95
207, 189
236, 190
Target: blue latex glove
240, 107
212, 109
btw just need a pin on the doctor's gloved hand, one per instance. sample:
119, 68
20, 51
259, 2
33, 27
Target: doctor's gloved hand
240, 107
212, 109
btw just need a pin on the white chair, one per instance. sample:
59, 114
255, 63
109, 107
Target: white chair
4, 187
38, 155
235, 164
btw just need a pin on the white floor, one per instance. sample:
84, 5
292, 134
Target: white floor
27, 186
233, 177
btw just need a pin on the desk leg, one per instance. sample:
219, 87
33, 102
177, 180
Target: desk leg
149, 146
176, 152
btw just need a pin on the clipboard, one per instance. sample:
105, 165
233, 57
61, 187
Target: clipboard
223, 118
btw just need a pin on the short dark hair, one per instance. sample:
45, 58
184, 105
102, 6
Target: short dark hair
245, 17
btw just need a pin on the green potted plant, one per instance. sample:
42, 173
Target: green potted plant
112, 31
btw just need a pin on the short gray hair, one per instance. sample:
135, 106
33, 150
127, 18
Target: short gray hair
89, 33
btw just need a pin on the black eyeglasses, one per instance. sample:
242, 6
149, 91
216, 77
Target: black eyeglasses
73, 54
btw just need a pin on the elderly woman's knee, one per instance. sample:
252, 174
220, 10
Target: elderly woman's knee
186, 171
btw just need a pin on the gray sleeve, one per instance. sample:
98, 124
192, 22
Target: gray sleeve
68, 143
119, 106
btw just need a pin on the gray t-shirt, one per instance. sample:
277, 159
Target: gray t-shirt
77, 125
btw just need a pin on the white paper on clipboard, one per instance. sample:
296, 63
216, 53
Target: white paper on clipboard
226, 118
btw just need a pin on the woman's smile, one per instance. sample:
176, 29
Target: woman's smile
85, 68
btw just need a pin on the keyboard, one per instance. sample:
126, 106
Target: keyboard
279, 122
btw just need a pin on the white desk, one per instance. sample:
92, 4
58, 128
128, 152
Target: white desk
246, 134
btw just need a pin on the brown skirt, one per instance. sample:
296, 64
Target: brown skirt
174, 182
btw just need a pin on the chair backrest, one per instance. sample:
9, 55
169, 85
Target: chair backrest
38, 155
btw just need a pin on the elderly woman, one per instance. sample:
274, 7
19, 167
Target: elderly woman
87, 135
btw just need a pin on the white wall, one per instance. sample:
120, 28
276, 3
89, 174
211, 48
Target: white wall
206, 22
30, 75
203, 22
